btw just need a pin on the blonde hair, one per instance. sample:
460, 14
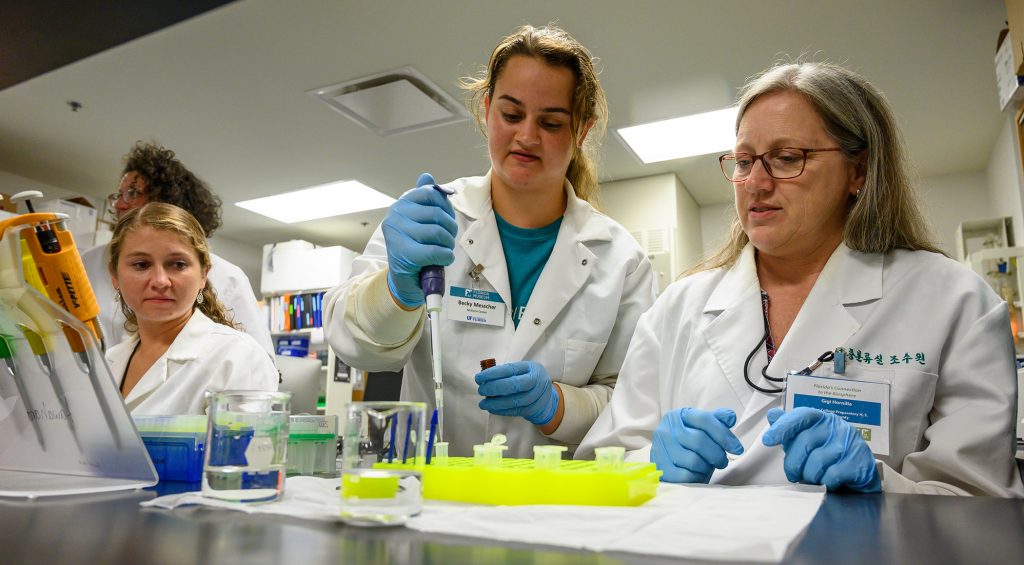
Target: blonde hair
170, 218
557, 48
886, 214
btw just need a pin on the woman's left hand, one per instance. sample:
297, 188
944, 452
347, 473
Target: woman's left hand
522, 389
822, 449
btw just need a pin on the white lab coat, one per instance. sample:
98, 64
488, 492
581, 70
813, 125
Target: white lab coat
952, 412
232, 286
578, 322
204, 357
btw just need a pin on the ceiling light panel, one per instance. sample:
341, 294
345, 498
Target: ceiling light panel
322, 201
697, 134
392, 102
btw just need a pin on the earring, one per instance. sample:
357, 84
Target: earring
117, 296
199, 298
856, 195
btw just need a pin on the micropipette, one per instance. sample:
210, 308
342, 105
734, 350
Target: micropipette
432, 283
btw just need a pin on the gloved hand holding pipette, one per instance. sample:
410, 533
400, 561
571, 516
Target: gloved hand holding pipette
522, 389
822, 449
689, 444
419, 231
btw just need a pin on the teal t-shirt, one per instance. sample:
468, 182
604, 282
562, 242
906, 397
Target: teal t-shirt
526, 252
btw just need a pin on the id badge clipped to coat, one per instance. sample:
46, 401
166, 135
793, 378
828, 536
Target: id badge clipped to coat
864, 402
475, 306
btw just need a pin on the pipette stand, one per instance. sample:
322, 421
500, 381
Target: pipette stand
63, 426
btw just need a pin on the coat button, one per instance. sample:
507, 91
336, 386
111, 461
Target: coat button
584, 262
536, 321
471, 242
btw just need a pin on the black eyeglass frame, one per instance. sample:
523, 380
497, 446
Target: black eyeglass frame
128, 196
768, 169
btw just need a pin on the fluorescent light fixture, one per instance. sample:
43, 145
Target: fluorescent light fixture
697, 134
322, 201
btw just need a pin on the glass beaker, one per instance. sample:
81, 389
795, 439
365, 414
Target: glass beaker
246, 445
382, 432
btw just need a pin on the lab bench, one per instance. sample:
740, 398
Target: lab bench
113, 528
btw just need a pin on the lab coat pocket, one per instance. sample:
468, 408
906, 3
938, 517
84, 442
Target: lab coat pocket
913, 394
581, 358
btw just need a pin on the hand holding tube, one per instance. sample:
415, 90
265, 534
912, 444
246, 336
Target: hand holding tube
822, 449
689, 444
522, 389
419, 231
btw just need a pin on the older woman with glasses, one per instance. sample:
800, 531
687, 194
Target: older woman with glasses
828, 342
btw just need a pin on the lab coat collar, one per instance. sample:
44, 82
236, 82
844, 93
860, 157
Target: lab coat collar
187, 346
474, 200
823, 323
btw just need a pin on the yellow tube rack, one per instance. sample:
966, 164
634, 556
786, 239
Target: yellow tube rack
516, 482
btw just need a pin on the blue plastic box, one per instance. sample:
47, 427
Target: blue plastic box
175, 444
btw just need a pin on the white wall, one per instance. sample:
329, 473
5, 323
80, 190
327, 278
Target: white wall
658, 202
949, 200
641, 203
247, 257
11, 183
688, 240
1003, 179
715, 221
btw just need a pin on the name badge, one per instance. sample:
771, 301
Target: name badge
864, 404
475, 306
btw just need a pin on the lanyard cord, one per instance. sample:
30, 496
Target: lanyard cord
746, 375
764, 341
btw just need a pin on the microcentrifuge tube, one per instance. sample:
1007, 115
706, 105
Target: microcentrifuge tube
609, 458
548, 457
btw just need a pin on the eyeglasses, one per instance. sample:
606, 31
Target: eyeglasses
128, 196
781, 163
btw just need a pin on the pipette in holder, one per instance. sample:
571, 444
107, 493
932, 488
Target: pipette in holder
432, 283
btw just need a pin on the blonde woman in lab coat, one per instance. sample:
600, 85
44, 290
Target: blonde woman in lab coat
829, 251
184, 343
555, 287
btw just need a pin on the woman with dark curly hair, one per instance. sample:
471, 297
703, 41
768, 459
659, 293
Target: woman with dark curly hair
152, 173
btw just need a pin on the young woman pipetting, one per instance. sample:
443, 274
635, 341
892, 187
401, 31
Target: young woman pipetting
536, 277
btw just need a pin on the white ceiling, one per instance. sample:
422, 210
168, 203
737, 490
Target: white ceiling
227, 90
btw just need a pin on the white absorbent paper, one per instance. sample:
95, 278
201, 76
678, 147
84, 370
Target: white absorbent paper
754, 523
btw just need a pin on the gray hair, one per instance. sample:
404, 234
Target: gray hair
886, 214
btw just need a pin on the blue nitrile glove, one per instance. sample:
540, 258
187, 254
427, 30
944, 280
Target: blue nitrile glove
689, 444
822, 449
522, 389
419, 230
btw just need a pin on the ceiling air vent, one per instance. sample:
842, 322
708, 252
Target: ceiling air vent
397, 101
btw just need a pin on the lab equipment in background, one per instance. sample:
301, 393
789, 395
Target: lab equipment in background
290, 266
246, 446
313, 446
988, 247
304, 378
541, 480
